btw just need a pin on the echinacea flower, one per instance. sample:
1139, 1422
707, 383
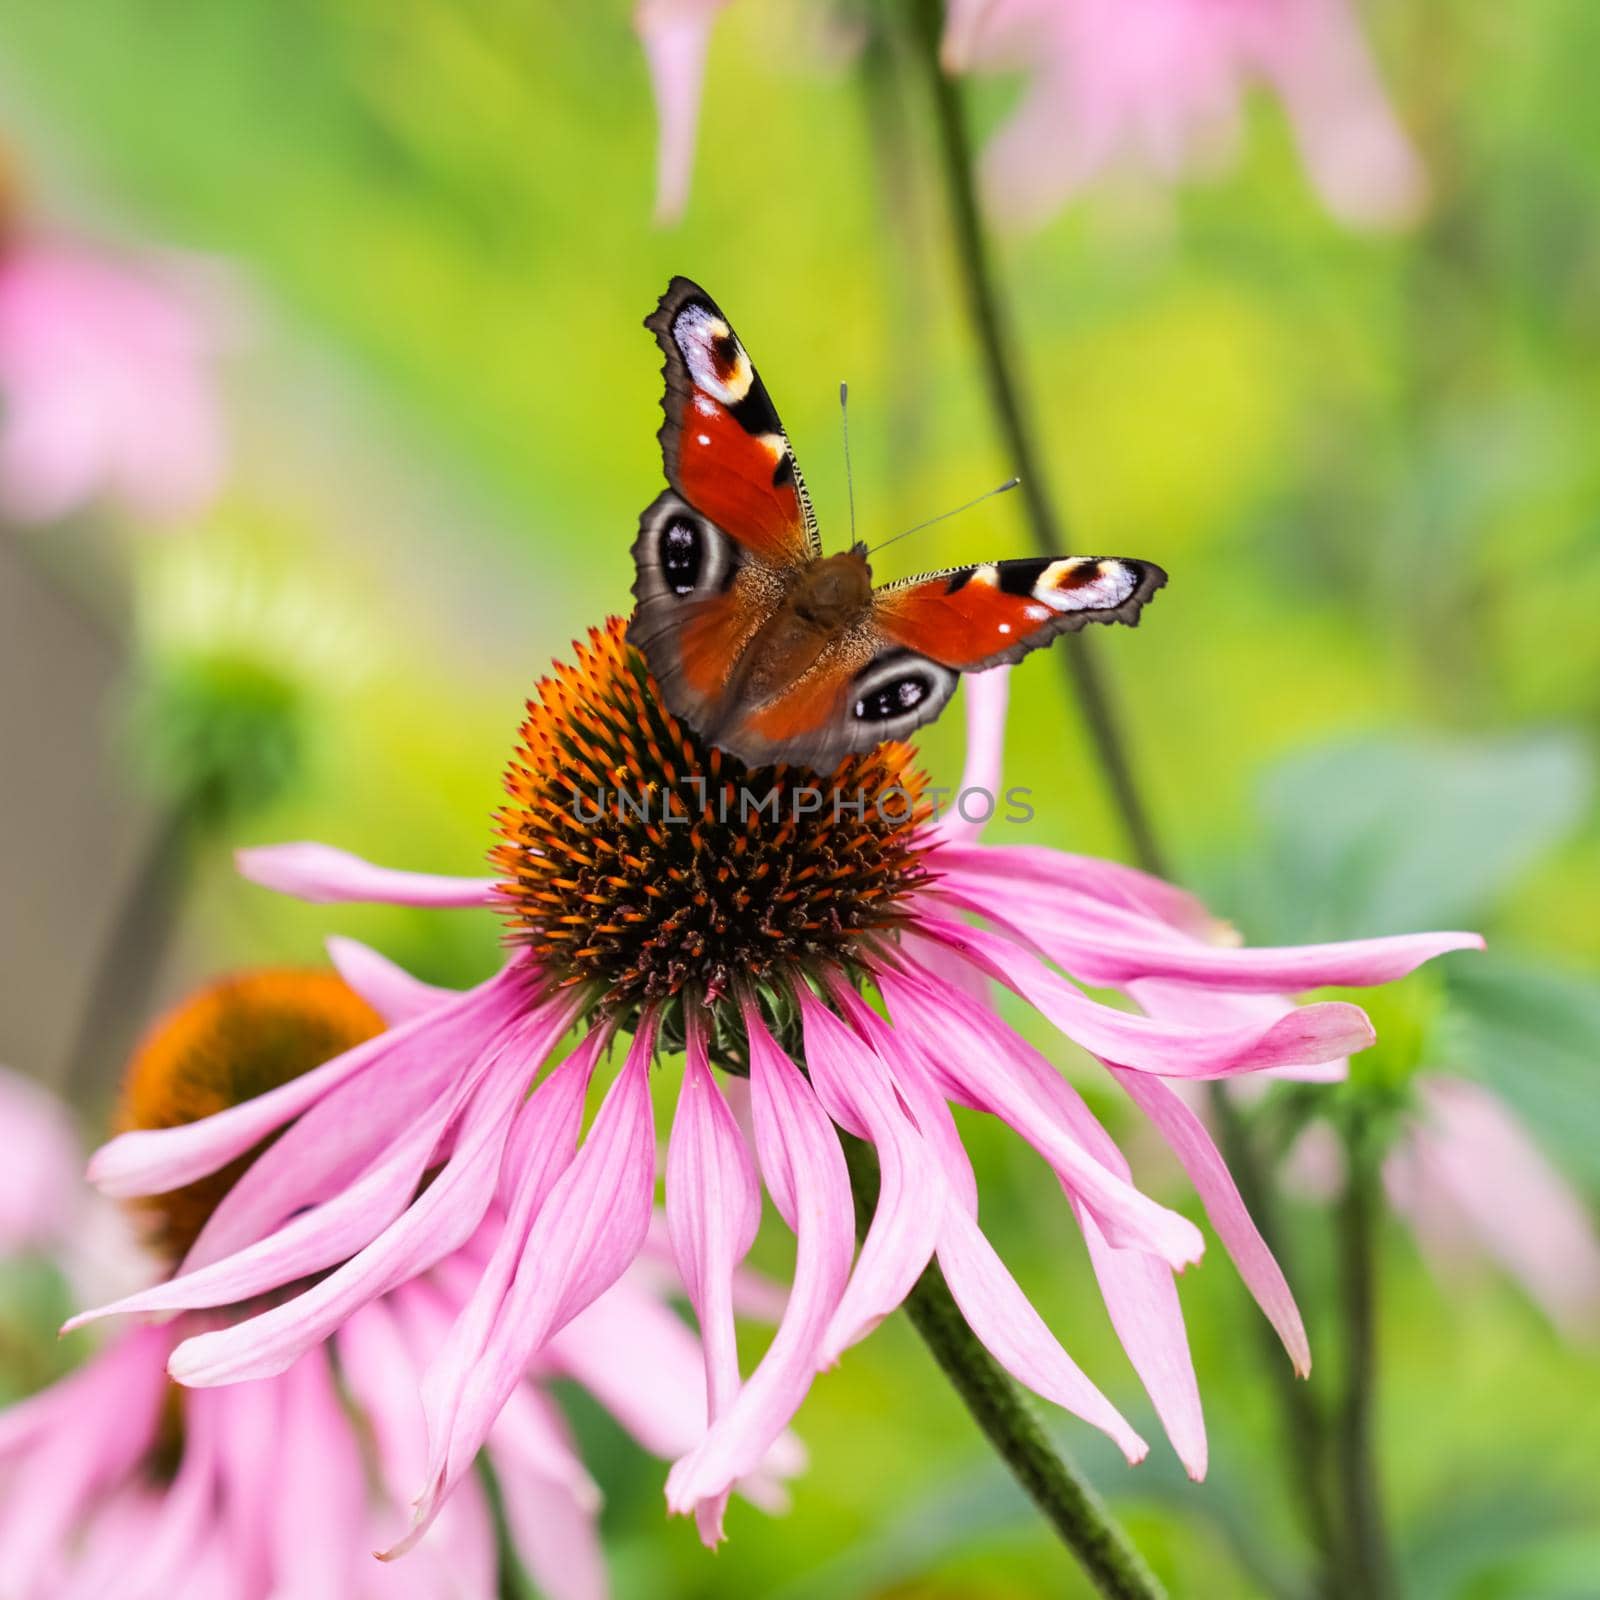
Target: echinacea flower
1159, 84
654, 886
106, 385
115, 1480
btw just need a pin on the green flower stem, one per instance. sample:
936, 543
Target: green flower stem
1371, 1563
1065, 1497
990, 322
130, 956
1305, 1433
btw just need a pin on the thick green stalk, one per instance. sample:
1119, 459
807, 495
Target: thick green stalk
1067, 1500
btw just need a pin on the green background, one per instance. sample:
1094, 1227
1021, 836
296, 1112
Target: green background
1367, 702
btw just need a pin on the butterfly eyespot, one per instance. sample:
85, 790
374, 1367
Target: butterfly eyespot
893, 699
682, 556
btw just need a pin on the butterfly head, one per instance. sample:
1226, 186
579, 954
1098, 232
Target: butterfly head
835, 590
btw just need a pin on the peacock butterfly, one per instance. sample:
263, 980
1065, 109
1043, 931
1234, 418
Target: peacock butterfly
769, 648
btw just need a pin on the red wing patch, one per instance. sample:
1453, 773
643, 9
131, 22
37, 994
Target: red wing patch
722, 445
975, 617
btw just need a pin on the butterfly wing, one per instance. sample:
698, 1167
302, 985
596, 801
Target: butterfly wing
970, 618
717, 552
899, 669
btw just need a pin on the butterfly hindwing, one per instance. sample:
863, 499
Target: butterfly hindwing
970, 618
723, 447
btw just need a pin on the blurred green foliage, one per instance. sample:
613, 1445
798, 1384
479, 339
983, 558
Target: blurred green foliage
1367, 701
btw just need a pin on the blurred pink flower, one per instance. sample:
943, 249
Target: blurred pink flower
270, 1494
447, 1092
1159, 83
675, 35
1470, 1180
106, 386
116, 1480
41, 1176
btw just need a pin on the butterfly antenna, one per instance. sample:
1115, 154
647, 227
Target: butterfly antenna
849, 477
999, 488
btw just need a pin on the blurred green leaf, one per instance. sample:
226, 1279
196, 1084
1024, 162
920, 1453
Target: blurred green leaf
1533, 1034
1394, 834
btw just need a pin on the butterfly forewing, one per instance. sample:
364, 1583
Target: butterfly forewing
970, 618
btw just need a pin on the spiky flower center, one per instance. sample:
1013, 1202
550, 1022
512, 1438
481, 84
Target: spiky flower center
231, 1041
641, 862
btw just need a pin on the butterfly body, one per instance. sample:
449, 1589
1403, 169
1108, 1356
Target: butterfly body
768, 647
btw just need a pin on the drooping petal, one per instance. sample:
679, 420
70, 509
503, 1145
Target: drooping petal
975, 1057
326, 875
1320, 1032
539, 1151
713, 1212
152, 1161
1142, 1302
556, 1538
1111, 947
39, 1187
1015, 1334
321, 1494
806, 1176
585, 1235
390, 990
1208, 1172
855, 1087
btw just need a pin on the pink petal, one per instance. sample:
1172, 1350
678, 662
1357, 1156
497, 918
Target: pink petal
1110, 947
986, 695
1014, 1333
634, 1354
675, 35
585, 1235
806, 1176
156, 1160
854, 1086
391, 991
1189, 1141
439, 1221
1142, 1301
1477, 1155
1037, 870
321, 1499
917, 1091
556, 1538
713, 1212
1310, 1033
974, 1056
327, 875
540, 1150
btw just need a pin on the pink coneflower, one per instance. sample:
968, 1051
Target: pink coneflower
117, 1481
1159, 84
106, 386
746, 937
